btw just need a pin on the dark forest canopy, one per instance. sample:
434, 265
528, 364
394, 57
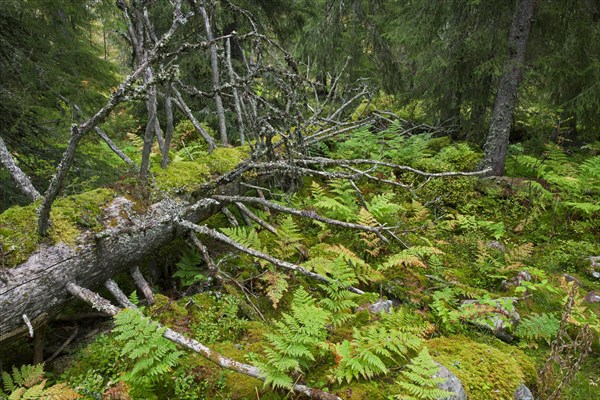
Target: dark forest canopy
317, 198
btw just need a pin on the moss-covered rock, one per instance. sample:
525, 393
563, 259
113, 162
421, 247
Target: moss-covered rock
487, 372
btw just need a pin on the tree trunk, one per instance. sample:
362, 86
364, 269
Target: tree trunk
20, 178
214, 63
36, 288
497, 141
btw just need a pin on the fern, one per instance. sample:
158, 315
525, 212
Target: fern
539, 327
382, 208
28, 382
143, 343
444, 307
370, 352
245, 236
419, 381
342, 206
370, 241
296, 341
276, 286
289, 238
188, 271
339, 301
411, 257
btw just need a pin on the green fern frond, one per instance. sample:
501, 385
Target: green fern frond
289, 238
187, 268
418, 381
375, 347
539, 326
143, 343
383, 208
245, 236
297, 339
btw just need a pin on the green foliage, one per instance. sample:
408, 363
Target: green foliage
383, 208
144, 344
245, 236
538, 327
188, 271
289, 239
29, 382
418, 379
487, 371
375, 347
296, 341
341, 205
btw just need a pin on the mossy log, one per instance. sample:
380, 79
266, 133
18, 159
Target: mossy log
36, 288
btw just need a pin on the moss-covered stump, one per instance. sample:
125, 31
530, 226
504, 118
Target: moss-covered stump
487, 372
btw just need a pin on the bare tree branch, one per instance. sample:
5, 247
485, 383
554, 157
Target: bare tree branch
204, 230
20, 178
301, 213
104, 305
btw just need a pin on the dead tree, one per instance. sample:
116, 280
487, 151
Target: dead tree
37, 290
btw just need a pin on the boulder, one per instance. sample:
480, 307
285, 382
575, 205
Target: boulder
592, 297
523, 393
452, 384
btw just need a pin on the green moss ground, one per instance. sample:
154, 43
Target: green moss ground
487, 371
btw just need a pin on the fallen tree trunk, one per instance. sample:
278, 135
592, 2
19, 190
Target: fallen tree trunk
36, 289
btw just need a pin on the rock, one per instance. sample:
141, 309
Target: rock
523, 393
516, 281
498, 322
494, 244
594, 262
592, 297
452, 384
571, 278
380, 306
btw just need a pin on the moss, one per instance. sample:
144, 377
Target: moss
486, 372
224, 159
18, 225
182, 176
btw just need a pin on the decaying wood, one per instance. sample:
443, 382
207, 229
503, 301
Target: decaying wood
36, 287
142, 284
104, 305
20, 178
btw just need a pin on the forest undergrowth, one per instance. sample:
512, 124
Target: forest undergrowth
469, 261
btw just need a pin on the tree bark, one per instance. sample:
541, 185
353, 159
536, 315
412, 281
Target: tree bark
20, 178
36, 288
496, 145
214, 63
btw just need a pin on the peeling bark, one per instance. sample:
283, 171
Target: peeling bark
36, 287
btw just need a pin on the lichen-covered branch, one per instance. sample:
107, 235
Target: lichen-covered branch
20, 178
101, 304
204, 230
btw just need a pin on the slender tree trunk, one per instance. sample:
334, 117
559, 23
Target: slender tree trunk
168, 126
236, 97
214, 63
20, 178
502, 115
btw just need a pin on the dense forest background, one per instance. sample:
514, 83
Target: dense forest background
399, 184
